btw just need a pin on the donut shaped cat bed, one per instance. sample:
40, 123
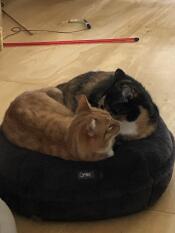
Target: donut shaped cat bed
33, 184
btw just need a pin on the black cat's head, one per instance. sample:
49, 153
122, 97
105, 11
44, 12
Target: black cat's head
126, 96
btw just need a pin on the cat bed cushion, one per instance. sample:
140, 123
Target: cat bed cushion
33, 184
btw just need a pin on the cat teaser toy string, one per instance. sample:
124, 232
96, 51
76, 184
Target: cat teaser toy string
15, 30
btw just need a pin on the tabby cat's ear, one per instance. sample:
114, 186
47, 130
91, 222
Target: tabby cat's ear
83, 104
91, 127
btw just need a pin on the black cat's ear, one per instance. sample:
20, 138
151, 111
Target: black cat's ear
127, 88
128, 92
120, 74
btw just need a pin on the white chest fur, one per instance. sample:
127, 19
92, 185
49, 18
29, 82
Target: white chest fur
128, 128
108, 150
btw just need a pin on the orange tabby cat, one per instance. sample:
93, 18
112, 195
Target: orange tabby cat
36, 121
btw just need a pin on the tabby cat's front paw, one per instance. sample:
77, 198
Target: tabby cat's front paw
110, 153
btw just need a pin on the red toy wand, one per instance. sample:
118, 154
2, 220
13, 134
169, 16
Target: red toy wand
70, 42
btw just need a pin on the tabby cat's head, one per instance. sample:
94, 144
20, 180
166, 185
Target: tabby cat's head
93, 131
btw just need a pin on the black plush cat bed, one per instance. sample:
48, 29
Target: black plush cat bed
50, 188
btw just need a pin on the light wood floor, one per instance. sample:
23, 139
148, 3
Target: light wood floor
151, 61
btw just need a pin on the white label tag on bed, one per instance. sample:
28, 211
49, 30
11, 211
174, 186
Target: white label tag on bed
86, 175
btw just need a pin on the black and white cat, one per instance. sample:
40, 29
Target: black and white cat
128, 101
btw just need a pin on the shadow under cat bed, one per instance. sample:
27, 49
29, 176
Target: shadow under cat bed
34, 184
